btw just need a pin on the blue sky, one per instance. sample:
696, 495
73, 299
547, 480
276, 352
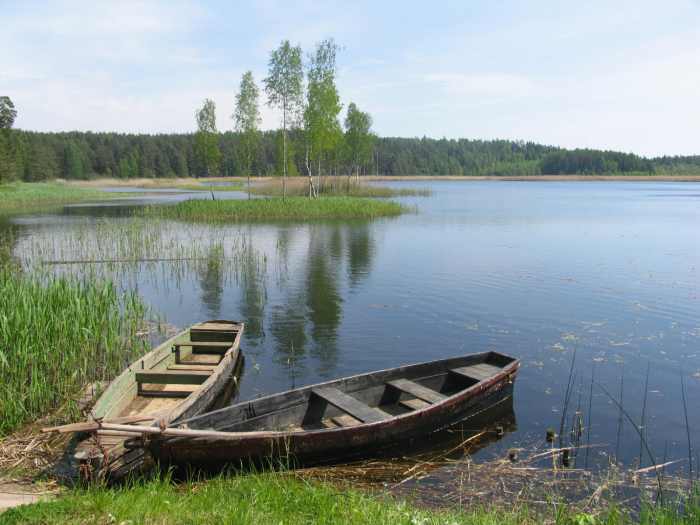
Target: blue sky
619, 74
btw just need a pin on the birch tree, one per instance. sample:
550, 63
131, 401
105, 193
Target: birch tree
246, 118
284, 88
322, 106
206, 144
358, 138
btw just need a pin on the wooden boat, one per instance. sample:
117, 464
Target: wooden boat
177, 380
341, 419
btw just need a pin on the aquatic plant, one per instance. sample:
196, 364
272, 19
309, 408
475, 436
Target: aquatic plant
291, 209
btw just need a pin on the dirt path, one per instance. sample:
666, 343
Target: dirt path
14, 494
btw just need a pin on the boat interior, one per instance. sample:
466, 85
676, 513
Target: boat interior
163, 378
352, 401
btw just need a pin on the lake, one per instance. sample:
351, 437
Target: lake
538, 270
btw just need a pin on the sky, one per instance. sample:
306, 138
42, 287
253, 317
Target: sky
621, 75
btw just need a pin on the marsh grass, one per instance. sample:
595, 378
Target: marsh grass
275, 209
335, 186
119, 249
56, 335
34, 196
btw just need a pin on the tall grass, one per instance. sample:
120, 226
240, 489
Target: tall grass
56, 335
334, 186
290, 209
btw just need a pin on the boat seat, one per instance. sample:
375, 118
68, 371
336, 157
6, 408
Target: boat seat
174, 377
416, 390
479, 372
350, 405
201, 347
414, 404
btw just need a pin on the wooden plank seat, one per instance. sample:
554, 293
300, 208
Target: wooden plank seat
416, 390
173, 377
353, 407
194, 366
478, 372
201, 347
169, 377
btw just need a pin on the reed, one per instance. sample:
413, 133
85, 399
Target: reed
58, 334
335, 186
290, 209
642, 423
687, 430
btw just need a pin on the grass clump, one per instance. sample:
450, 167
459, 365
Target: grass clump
290, 209
334, 186
278, 498
31, 196
56, 335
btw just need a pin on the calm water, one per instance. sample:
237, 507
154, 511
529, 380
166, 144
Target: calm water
531, 269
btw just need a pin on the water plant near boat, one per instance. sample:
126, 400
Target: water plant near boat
58, 334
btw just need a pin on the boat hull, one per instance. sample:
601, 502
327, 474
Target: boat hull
337, 444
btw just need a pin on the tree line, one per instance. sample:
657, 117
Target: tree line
312, 141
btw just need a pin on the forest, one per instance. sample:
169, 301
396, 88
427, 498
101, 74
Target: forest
33, 156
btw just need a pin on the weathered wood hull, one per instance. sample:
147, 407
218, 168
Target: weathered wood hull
182, 377
299, 408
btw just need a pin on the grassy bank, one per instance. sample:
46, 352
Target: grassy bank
334, 186
291, 209
57, 335
29, 196
274, 498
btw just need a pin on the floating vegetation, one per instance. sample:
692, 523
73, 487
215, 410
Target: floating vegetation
275, 209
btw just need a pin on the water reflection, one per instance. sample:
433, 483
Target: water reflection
211, 280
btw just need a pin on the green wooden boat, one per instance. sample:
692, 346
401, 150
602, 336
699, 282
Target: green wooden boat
181, 378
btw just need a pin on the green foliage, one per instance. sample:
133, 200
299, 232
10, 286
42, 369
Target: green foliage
246, 118
8, 113
206, 144
283, 86
292, 209
322, 102
589, 162
163, 156
358, 137
56, 335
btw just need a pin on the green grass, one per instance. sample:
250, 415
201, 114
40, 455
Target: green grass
291, 209
275, 499
32, 196
58, 334
334, 186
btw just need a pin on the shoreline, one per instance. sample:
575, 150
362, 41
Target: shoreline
165, 183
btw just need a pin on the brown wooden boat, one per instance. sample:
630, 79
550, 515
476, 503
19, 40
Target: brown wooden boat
341, 419
179, 379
